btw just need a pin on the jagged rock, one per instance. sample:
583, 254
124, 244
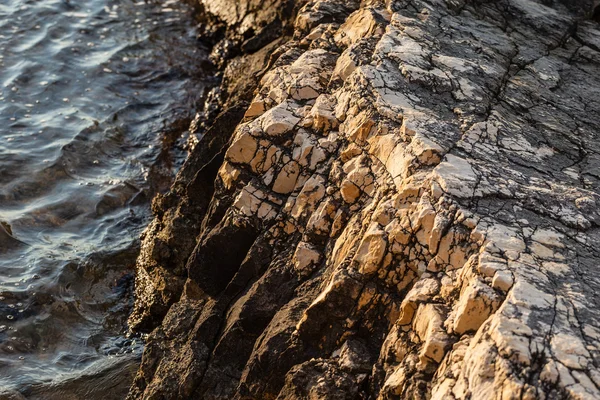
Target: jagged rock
399, 200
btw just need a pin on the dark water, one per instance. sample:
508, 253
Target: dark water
95, 96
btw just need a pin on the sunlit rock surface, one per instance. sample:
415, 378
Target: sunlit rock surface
399, 200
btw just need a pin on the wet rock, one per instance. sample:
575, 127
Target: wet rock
7, 241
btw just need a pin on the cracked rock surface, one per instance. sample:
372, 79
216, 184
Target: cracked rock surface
399, 200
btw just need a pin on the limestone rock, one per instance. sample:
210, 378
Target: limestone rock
306, 258
399, 199
371, 250
242, 149
286, 179
278, 120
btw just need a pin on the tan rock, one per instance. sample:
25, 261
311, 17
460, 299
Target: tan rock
548, 237
426, 150
423, 291
257, 108
250, 202
455, 175
287, 177
503, 280
360, 24
381, 147
476, 303
350, 152
304, 145
312, 192
228, 174
344, 66
359, 128
320, 220
306, 257
371, 250
278, 120
349, 191
242, 150
308, 74
428, 325
322, 114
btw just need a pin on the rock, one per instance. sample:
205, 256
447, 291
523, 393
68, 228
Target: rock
7, 241
349, 191
11, 395
287, 177
306, 258
255, 109
322, 114
399, 200
420, 292
456, 177
428, 325
371, 250
476, 303
242, 150
503, 280
278, 120
354, 356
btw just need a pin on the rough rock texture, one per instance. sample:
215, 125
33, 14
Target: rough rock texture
398, 200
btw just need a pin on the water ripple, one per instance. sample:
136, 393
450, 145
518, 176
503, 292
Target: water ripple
89, 91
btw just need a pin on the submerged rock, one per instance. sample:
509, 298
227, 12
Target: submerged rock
7, 241
398, 200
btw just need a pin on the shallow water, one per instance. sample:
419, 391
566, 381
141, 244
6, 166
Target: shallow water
95, 96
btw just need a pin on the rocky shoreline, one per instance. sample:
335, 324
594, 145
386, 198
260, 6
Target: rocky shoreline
392, 200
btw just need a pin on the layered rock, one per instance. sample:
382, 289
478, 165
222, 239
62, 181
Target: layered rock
399, 200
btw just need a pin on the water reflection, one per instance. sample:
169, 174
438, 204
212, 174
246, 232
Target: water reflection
94, 96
